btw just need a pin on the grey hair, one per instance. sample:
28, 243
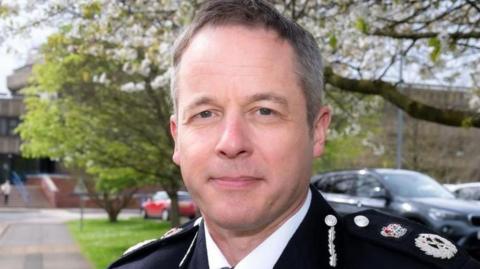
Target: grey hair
259, 13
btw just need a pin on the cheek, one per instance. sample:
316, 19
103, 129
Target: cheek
193, 148
192, 163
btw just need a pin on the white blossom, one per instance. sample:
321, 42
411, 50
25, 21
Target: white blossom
133, 87
103, 79
361, 10
144, 69
160, 81
151, 31
128, 68
127, 54
444, 38
168, 24
164, 47
128, 87
140, 86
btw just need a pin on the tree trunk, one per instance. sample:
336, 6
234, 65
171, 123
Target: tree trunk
113, 215
174, 208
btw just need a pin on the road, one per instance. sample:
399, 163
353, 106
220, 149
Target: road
39, 239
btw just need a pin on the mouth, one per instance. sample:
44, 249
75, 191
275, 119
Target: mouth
239, 182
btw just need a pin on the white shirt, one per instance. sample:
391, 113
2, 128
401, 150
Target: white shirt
6, 188
265, 255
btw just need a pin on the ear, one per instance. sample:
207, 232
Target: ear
320, 128
173, 132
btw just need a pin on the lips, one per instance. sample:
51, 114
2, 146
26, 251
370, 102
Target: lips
235, 182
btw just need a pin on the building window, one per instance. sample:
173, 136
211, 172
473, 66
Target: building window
8, 125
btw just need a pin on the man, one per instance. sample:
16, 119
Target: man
6, 189
248, 120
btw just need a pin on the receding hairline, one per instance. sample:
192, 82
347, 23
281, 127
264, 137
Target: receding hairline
180, 51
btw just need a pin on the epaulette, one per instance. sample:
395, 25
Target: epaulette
407, 237
143, 248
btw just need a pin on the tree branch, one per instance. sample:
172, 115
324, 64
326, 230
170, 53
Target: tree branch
424, 35
412, 107
468, 45
394, 23
473, 5
393, 59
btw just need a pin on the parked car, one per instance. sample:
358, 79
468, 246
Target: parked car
404, 193
465, 191
159, 206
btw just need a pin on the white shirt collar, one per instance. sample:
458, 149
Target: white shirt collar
265, 255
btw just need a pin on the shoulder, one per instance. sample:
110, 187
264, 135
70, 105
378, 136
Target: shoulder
381, 238
167, 250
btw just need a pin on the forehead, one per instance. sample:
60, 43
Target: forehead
237, 50
235, 37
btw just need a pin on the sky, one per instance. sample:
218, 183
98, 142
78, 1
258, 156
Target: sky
7, 64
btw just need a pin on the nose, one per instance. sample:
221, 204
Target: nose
234, 141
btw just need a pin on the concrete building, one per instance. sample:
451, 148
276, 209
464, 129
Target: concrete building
11, 110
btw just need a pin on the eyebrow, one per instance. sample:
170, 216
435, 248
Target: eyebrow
268, 97
203, 100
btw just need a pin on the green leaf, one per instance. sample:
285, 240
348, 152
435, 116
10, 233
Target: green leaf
437, 48
361, 25
8, 10
90, 10
332, 41
4, 11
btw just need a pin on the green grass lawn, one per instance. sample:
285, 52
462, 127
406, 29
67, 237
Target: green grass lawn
103, 242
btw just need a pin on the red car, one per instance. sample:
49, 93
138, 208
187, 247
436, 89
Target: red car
159, 206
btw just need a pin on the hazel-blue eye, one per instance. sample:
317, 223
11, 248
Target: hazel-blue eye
265, 111
205, 114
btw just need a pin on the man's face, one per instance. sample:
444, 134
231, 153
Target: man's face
242, 139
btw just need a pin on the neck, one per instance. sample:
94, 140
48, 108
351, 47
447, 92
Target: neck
236, 245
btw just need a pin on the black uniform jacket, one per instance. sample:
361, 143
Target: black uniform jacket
355, 247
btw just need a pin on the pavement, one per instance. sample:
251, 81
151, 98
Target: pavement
39, 239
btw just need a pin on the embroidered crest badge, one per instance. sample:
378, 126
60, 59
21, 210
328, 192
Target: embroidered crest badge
393, 230
436, 246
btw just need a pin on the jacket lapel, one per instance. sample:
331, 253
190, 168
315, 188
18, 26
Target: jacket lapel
198, 258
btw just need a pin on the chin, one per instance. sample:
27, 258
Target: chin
237, 221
